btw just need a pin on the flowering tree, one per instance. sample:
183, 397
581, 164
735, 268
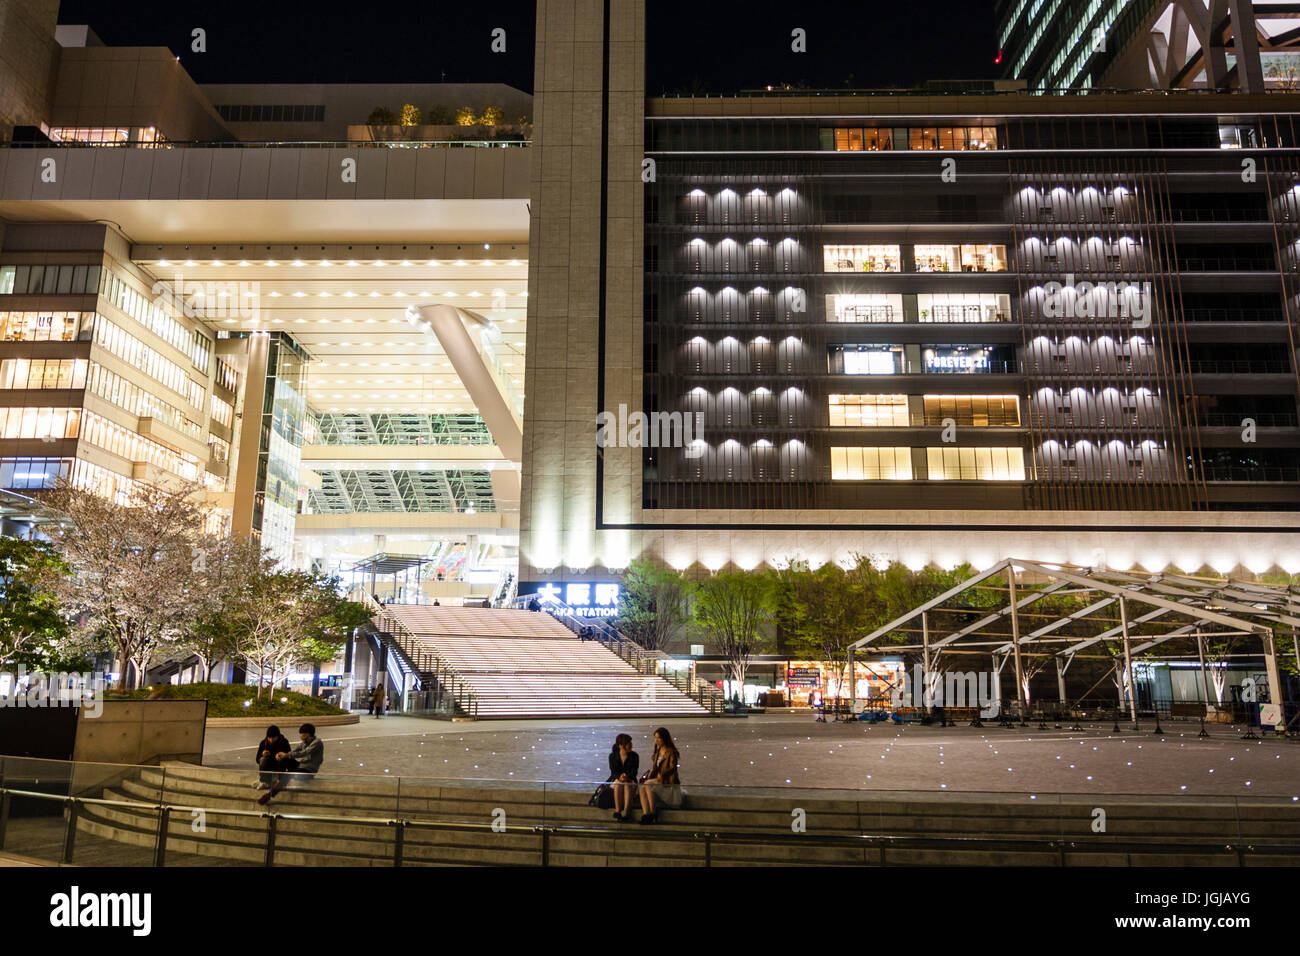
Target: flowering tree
225, 566
132, 581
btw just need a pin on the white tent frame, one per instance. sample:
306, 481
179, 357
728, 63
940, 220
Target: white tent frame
1256, 610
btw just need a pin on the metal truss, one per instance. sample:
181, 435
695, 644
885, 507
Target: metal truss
1023, 610
401, 429
390, 491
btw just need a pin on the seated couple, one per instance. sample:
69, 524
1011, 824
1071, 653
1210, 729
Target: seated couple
275, 756
658, 785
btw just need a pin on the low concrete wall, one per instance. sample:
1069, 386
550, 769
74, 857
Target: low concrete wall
288, 725
142, 732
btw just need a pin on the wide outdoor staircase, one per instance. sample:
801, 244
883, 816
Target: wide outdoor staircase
342, 821
499, 663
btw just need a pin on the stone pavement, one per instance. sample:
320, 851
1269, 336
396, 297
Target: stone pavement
794, 751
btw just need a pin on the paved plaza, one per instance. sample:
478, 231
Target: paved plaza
795, 751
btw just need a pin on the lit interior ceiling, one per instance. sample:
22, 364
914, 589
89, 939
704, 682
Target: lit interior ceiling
346, 304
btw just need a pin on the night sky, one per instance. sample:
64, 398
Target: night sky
701, 46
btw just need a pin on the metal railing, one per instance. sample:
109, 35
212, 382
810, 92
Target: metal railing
440, 683
1239, 367
1261, 419
694, 844
441, 680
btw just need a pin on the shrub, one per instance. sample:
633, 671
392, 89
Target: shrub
227, 700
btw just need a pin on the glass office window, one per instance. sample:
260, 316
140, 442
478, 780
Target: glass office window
868, 411
43, 326
135, 448
854, 139
976, 464
983, 257
134, 352
49, 280
219, 447
871, 464
227, 377
864, 308
139, 401
963, 307
876, 362
222, 412
50, 423
862, 258
20, 473
981, 411
43, 373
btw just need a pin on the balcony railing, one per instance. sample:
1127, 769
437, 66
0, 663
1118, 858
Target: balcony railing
1239, 367
1233, 315
1226, 264
1269, 473
1261, 419
961, 313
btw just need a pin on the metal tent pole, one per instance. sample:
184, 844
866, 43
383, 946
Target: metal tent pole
1128, 663
1015, 639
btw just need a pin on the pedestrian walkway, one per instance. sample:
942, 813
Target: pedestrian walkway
786, 751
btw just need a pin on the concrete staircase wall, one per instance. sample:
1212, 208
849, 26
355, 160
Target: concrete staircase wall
760, 825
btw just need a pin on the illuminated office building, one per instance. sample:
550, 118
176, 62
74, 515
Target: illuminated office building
1053, 45
925, 329
226, 284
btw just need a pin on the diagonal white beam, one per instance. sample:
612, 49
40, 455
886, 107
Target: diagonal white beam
449, 324
933, 602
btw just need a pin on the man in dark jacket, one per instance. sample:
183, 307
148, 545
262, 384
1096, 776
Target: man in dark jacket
306, 757
272, 744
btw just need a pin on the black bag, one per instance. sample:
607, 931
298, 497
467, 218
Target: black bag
603, 798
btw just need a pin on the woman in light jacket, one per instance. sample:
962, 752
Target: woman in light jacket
662, 784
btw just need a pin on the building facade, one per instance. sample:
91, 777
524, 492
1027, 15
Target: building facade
1246, 45
320, 321
950, 329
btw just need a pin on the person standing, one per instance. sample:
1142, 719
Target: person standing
377, 698
624, 763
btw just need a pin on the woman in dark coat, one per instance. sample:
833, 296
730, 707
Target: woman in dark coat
623, 766
273, 743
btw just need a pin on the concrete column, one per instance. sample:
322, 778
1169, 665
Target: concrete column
258, 347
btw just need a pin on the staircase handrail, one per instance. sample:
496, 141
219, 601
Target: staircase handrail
420, 657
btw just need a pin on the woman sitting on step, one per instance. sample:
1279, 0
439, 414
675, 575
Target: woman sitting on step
624, 762
661, 783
